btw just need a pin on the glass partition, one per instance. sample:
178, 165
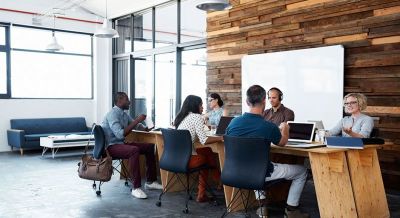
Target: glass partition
144, 86
165, 81
194, 70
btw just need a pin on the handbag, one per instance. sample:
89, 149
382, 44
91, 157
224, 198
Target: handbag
95, 169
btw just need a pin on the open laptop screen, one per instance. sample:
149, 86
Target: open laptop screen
301, 131
223, 124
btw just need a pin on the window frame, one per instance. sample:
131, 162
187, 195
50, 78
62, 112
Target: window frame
9, 61
177, 47
6, 48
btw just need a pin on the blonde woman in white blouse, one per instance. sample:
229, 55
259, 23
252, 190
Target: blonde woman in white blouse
189, 118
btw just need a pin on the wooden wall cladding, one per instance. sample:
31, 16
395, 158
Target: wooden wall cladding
368, 29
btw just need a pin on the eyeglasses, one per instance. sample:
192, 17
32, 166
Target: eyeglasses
211, 99
349, 103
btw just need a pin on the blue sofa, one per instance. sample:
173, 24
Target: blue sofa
26, 133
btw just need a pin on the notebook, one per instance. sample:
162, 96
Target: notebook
301, 132
223, 124
344, 142
305, 145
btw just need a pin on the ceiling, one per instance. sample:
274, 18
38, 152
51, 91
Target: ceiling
81, 9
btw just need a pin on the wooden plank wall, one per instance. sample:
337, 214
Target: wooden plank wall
369, 30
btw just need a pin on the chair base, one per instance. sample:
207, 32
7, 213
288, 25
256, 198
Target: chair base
188, 187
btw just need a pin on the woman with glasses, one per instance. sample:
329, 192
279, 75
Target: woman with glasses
357, 124
217, 111
189, 118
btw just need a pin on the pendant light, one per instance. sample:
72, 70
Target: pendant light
54, 46
214, 5
105, 31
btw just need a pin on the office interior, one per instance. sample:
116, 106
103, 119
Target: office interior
165, 51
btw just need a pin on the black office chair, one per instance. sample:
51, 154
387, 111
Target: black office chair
246, 163
99, 151
175, 158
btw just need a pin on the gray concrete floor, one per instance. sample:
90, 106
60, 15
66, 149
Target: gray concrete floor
36, 186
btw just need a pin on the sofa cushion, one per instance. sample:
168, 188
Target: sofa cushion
50, 125
36, 137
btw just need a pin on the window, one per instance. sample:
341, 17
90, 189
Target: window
123, 27
165, 84
3, 73
193, 22
143, 31
2, 35
37, 73
194, 70
143, 86
42, 75
168, 59
4, 60
166, 25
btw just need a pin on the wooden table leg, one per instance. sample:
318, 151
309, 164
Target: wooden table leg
333, 185
366, 179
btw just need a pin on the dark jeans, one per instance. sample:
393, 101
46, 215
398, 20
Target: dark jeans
132, 152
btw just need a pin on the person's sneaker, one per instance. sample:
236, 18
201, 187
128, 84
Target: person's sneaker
138, 193
262, 212
295, 214
153, 185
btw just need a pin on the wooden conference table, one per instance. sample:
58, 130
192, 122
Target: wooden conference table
348, 183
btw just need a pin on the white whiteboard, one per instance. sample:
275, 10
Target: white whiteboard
311, 81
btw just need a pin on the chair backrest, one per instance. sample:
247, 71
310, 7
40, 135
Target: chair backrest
177, 150
246, 162
99, 141
374, 133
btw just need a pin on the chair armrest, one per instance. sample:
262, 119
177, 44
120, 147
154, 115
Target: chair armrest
16, 137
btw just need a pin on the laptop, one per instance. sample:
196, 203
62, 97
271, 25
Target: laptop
344, 142
301, 135
223, 124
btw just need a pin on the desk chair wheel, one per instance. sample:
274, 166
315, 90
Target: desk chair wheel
94, 185
126, 183
185, 211
214, 203
158, 203
98, 193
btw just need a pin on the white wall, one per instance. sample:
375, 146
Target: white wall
93, 109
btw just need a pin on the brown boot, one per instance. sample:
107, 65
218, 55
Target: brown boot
202, 198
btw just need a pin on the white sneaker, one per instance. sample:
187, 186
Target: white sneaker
138, 193
153, 185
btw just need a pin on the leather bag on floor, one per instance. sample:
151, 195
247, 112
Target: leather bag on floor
95, 169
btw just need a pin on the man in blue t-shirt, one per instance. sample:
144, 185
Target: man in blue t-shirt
252, 124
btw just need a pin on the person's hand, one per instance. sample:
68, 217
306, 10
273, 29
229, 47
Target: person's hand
347, 130
141, 118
